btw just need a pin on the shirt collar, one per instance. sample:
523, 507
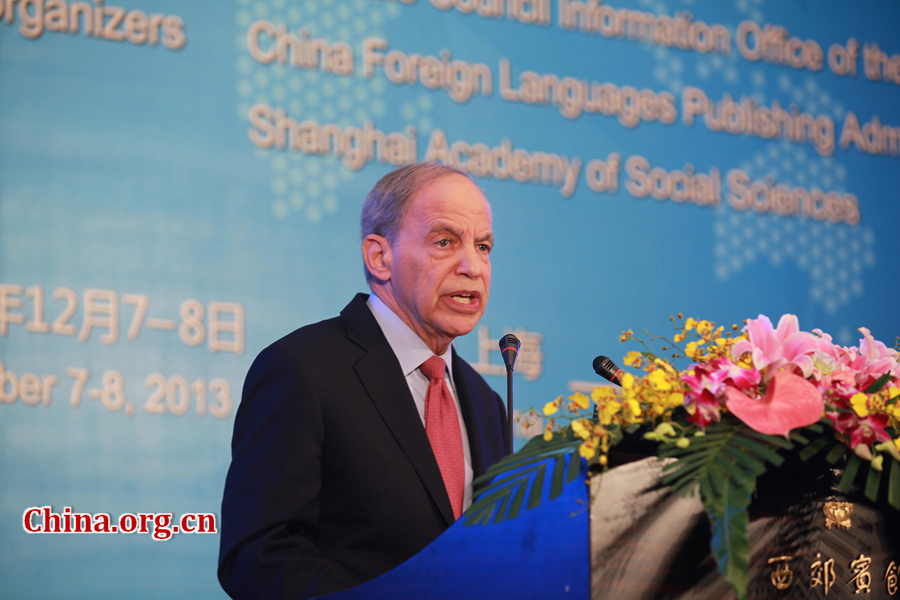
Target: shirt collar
409, 348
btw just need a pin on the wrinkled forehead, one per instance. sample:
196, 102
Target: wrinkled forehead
452, 194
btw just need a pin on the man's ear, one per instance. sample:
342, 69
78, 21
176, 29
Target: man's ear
376, 252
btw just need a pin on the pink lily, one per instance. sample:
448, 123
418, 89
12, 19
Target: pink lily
773, 349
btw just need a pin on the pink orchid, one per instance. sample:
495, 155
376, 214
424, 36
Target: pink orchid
840, 383
773, 349
858, 368
707, 384
713, 376
790, 402
866, 430
703, 408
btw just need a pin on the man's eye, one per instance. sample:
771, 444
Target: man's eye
443, 243
484, 247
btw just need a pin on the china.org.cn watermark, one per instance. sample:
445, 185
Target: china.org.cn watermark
161, 526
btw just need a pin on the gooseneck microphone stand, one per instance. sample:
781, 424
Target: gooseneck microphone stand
509, 348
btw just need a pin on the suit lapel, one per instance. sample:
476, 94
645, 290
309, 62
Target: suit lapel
467, 407
381, 375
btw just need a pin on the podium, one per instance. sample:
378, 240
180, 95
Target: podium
542, 553
648, 542
638, 540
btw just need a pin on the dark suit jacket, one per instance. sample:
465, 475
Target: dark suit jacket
332, 480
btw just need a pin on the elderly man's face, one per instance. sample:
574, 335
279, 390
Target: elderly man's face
441, 260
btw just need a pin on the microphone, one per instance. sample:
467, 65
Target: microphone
509, 348
608, 370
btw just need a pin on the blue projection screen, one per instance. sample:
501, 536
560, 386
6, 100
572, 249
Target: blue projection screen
180, 185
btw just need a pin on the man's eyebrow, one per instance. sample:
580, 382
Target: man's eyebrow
457, 232
446, 227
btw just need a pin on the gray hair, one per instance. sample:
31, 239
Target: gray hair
385, 206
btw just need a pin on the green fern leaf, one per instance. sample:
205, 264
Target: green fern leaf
477, 516
760, 450
537, 488
836, 453
507, 481
556, 481
774, 440
814, 448
685, 486
753, 464
574, 468
849, 473
798, 437
726, 506
498, 518
743, 478
894, 484
689, 468
724, 464
489, 501
873, 482
516, 505
879, 383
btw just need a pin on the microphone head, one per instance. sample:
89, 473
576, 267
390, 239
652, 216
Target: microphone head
509, 348
607, 369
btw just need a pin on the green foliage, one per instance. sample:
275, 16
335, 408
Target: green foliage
894, 485
850, 471
521, 475
726, 500
815, 447
837, 451
724, 463
879, 383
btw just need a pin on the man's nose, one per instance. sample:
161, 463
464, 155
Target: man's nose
470, 262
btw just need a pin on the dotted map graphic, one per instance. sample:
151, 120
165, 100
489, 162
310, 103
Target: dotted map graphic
834, 256
299, 185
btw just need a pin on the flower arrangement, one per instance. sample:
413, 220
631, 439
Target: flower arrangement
773, 379
749, 395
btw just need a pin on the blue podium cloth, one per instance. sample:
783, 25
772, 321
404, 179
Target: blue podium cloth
542, 553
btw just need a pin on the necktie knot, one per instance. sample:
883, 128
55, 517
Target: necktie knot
434, 368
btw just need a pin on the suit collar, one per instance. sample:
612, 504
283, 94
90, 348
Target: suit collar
409, 348
362, 328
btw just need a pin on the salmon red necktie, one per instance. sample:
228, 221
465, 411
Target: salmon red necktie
442, 427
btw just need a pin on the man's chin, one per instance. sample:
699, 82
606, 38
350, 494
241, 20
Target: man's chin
460, 325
